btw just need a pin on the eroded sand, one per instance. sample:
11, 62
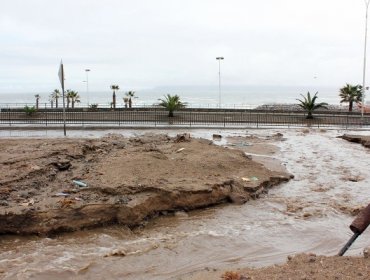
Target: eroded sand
128, 180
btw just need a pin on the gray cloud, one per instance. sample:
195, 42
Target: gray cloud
147, 43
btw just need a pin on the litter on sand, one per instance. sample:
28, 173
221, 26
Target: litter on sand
61, 194
246, 179
80, 183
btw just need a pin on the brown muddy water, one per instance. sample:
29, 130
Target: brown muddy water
307, 214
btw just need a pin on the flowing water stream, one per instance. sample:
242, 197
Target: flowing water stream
307, 214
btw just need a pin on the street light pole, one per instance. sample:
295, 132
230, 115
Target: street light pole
219, 79
364, 69
87, 86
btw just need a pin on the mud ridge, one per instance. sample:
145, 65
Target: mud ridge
129, 180
360, 139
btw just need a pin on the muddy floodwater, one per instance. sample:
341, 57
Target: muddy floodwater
310, 213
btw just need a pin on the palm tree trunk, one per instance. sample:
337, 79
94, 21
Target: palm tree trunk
350, 106
130, 103
170, 114
114, 99
56, 102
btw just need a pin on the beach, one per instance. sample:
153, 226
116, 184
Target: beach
309, 213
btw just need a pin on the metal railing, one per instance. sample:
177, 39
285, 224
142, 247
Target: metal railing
186, 117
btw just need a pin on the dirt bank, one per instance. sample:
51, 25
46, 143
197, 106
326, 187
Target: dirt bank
361, 139
128, 180
299, 267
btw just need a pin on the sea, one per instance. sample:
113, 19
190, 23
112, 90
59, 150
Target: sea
247, 97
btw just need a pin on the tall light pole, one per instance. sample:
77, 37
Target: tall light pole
87, 86
219, 79
364, 69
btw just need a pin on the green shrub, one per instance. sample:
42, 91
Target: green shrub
29, 110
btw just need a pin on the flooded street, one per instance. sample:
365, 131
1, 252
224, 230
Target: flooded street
311, 213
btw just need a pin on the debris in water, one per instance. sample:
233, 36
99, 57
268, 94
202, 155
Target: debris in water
217, 136
116, 253
358, 226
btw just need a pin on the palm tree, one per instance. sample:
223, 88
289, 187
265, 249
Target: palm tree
309, 104
73, 97
37, 96
350, 94
51, 99
125, 100
55, 96
114, 88
171, 103
130, 94
67, 96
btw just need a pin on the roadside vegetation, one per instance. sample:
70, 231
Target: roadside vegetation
309, 104
172, 103
351, 94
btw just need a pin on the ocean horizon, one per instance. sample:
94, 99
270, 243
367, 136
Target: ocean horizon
194, 96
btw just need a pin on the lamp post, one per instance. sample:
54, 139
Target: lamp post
87, 86
219, 79
364, 69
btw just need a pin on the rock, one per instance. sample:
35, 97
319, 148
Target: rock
4, 203
238, 198
217, 136
366, 252
182, 138
181, 214
35, 167
62, 165
23, 194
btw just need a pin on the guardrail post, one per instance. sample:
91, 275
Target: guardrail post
10, 124
46, 117
224, 118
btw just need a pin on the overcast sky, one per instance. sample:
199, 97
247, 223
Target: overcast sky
149, 43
